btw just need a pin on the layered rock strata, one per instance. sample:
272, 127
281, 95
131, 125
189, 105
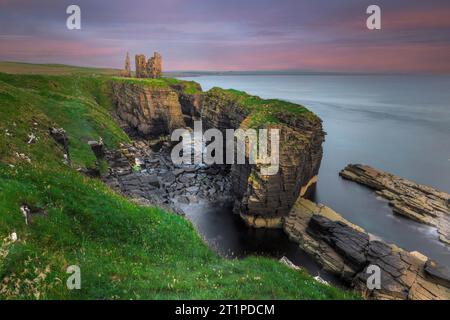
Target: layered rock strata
144, 171
149, 110
409, 199
190, 100
262, 200
347, 251
153, 108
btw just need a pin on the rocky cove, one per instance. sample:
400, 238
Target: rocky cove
150, 109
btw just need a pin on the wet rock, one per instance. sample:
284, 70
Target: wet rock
418, 202
156, 184
168, 178
177, 172
193, 199
347, 251
440, 273
151, 179
185, 180
183, 200
348, 242
192, 189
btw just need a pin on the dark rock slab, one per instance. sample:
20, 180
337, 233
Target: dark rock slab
439, 273
409, 199
347, 241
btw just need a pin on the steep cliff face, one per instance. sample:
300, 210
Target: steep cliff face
158, 106
190, 96
263, 200
148, 107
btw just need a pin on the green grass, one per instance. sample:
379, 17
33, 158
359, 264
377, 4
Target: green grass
263, 112
125, 251
52, 69
188, 87
79, 104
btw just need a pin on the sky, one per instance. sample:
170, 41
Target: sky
239, 35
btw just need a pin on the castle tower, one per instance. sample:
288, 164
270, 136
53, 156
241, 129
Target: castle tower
154, 66
141, 66
127, 70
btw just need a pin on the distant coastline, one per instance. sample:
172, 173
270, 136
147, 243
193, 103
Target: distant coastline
272, 73
55, 68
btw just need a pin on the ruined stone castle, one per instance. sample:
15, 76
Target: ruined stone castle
151, 68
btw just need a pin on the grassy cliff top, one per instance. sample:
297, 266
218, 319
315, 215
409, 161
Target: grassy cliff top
263, 112
52, 69
188, 87
125, 251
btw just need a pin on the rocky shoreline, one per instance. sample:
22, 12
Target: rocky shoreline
414, 201
347, 250
339, 246
144, 171
153, 109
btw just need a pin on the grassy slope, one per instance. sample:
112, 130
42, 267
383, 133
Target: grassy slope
124, 250
51, 69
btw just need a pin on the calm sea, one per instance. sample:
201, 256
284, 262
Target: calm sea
400, 124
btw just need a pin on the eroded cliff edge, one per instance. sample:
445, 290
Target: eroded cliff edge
263, 200
155, 107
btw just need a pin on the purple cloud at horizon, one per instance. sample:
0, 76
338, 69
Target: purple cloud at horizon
233, 35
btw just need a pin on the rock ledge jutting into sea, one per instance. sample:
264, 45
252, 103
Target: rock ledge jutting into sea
418, 202
347, 250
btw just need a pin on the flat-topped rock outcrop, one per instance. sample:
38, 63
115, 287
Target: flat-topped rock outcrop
347, 251
262, 200
414, 201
